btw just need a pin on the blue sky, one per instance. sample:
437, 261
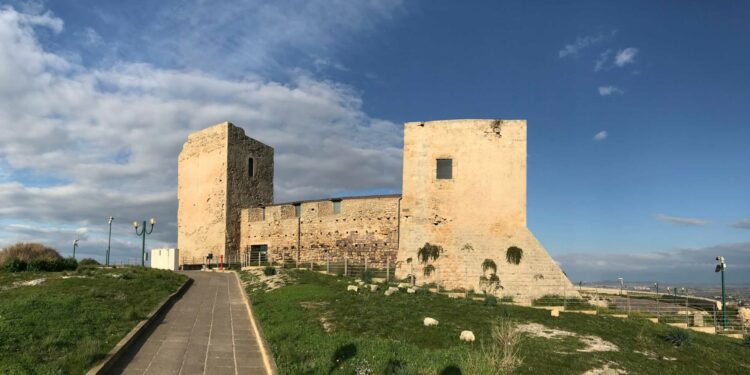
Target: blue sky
637, 111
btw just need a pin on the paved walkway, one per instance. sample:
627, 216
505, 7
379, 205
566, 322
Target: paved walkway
207, 331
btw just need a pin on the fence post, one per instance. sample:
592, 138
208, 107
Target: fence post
328, 263
346, 264
565, 296
388, 269
365, 263
311, 266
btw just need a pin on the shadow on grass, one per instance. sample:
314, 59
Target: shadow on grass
342, 354
451, 370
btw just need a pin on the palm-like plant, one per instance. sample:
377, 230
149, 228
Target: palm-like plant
427, 254
489, 282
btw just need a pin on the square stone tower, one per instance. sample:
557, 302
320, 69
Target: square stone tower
220, 172
464, 189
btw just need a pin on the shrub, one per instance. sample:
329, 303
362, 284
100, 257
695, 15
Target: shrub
269, 271
490, 300
489, 264
69, 264
677, 337
28, 252
506, 299
746, 342
367, 276
15, 265
513, 255
89, 262
502, 355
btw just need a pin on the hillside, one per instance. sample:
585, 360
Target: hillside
314, 325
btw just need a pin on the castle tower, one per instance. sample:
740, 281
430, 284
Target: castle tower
220, 172
464, 189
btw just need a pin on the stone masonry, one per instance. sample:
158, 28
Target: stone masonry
225, 192
214, 183
365, 227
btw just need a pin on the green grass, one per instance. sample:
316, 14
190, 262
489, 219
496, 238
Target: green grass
386, 333
66, 325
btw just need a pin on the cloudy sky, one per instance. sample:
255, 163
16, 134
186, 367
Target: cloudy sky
639, 144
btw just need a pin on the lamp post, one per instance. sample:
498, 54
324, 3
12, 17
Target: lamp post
75, 245
720, 267
109, 240
622, 284
143, 234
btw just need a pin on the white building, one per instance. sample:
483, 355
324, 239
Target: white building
165, 259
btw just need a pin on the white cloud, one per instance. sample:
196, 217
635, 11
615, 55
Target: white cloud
109, 137
625, 56
742, 224
686, 221
602, 135
584, 42
601, 61
610, 90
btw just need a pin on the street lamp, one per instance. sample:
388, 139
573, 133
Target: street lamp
622, 284
109, 241
75, 245
720, 267
143, 234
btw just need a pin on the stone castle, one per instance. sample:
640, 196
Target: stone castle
464, 190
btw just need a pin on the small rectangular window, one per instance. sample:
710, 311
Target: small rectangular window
336, 207
297, 210
444, 169
250, 167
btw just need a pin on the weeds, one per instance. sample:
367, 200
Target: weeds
678, 337
502, 355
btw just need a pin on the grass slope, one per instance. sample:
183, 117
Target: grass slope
385, 334
65, 325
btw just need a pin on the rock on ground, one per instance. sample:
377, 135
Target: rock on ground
467, 336
428, 322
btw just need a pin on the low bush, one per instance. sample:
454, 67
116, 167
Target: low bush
28, 252
269, 271
89, 262
677, 337
490, 300
506, 299
15, 265
746, 342
367, 276
51, 265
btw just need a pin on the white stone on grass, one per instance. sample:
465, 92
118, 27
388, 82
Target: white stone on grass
411, 290
429, 322
373, 288
352, 288
391, 290
467, 336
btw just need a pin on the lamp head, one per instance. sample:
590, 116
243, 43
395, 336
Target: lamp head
110, 219
152, 221
135, 224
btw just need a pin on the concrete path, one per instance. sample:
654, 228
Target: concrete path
207, 331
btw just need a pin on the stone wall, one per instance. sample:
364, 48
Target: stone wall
483, 205
214, 183
366, 227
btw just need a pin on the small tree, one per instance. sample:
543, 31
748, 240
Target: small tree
489, 281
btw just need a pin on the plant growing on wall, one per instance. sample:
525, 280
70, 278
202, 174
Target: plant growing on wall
513, 255
489, 264
428, 254
489, 281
